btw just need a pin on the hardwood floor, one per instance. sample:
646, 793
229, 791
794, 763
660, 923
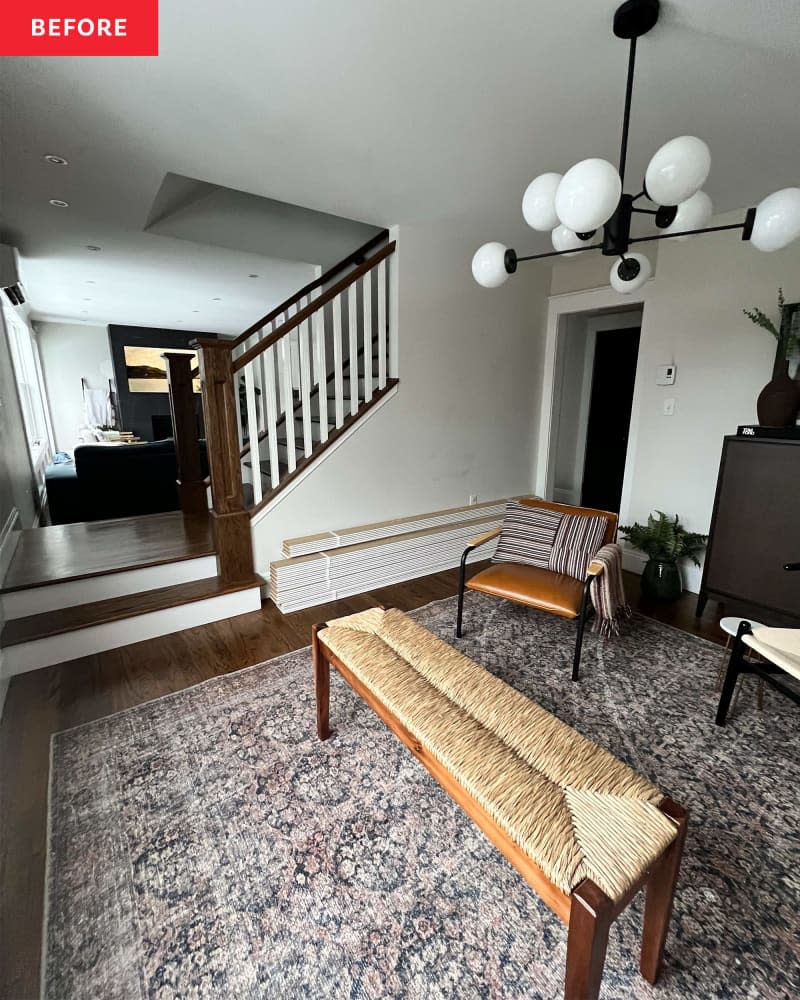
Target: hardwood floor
45, 701
76, 551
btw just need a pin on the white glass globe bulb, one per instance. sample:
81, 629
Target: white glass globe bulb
693, 213
588, 195
489, 265
777, 222
538, 202
625, 277
565, 239
677, 170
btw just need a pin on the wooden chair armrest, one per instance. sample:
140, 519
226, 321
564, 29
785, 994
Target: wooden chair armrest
595, 568
487, 536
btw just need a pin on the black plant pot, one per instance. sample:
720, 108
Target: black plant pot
661, 580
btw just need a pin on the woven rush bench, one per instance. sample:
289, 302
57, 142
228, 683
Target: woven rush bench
584, 830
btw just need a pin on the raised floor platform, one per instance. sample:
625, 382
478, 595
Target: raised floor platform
63, 552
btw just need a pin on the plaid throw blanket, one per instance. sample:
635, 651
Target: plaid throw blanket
608, 592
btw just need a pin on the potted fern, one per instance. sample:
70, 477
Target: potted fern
664, 540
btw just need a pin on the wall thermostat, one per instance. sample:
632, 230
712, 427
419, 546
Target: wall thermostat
665, 375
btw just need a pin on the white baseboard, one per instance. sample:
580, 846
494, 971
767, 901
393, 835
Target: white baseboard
97, 638
39, 600
9, 537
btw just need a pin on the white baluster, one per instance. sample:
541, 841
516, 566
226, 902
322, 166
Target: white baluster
271, 409
321, 371
305, 386
352, 313
382, 324
366, 292
338, 363
285, 355
252, 430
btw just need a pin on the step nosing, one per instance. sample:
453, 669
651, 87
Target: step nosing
13, 632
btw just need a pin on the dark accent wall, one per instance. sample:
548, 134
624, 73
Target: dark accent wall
17, 485
136, 409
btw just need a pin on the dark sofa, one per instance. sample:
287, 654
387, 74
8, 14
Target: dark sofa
108, 481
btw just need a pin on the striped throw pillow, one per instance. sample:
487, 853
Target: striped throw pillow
527, 535
578, 537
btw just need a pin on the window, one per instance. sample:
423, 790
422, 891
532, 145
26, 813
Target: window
27, 371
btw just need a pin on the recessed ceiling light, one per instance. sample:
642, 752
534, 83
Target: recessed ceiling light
90, 282
216, 300
58, 203
195, 310
59, 161
87, 300
252, 275
93, 249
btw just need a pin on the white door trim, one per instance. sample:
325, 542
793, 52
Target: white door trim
558, 308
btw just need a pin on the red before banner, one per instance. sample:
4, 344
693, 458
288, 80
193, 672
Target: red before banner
80, 28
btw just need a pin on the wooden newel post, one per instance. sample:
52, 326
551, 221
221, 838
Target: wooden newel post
232, 533
191, 488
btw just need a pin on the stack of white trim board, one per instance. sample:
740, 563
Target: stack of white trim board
333, 564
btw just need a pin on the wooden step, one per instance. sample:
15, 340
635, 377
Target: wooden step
114, 609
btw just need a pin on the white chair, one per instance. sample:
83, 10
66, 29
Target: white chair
779, 649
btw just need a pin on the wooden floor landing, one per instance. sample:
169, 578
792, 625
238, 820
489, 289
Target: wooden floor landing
76, 551
45, 701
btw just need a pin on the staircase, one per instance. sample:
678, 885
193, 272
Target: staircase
275, 399
77, 589
279, 396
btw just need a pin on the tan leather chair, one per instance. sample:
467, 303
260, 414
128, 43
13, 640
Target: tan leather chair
534, 587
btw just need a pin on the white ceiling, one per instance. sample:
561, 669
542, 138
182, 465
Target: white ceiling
374, 111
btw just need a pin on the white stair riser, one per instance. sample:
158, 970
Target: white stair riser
96, 638
70, 593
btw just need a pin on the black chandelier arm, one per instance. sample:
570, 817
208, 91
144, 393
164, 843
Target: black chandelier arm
560, 253
626, 115
690, 232
645, 211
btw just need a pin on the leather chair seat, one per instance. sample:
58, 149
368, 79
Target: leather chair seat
537, 588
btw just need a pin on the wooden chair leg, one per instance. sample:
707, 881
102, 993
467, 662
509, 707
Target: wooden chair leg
660, 895
322, 684
589, 922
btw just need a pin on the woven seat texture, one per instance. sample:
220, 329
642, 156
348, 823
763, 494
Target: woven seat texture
574, 809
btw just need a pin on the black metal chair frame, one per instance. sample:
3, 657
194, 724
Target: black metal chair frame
738, 665
583, 614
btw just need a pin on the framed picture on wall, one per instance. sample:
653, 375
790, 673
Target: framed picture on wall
147, 370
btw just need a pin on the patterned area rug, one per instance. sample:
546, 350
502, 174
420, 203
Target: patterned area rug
207, 845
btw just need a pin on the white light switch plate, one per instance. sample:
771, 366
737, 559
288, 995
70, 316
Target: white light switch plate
669, 406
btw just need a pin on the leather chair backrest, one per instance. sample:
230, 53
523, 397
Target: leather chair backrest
564, 508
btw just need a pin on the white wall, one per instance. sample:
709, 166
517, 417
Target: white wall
69, 352
693, 317
466, 414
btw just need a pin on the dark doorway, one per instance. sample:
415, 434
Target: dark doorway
613, 376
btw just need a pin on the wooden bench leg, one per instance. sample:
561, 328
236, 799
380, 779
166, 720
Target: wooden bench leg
322, 684
660, 895
589, 922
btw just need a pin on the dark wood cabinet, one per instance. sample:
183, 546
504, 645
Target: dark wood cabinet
755, 530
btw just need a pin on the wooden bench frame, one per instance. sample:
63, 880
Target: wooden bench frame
587, 912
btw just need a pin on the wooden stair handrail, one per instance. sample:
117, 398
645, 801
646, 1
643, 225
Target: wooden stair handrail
354, 258
300, 317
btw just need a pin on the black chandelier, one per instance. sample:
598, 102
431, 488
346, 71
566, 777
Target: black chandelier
590, 196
